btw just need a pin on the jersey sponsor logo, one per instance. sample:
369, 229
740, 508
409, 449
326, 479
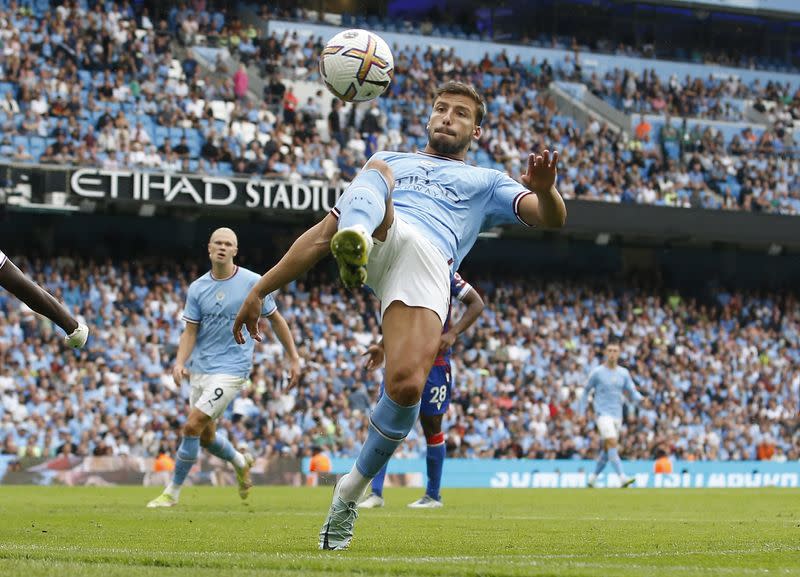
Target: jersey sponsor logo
422, 184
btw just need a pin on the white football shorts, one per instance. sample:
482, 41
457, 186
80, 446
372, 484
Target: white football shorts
608, 427
212, 394
407, 267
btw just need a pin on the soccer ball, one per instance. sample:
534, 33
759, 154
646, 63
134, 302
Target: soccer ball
356, 65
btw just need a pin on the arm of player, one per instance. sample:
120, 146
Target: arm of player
306, 251
21, 286
475, 306
185, 348
544, 207
284, 334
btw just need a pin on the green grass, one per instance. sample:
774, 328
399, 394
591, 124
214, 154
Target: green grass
107, 532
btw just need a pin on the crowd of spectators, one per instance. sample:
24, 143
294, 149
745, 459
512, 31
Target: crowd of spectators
104, 87
722, 372
711, 98
442, 24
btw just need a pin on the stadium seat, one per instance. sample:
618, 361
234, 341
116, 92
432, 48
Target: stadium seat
175, 134
20, 140
6, 87
161, 134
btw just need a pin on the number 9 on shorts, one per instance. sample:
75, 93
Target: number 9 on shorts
212, 394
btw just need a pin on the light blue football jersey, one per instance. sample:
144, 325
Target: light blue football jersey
449, 201
214, 304
609, 386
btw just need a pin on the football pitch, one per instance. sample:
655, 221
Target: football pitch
107, 532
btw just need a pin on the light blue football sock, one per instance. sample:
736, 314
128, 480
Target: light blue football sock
616, 462
388, 426
187, 457
364, 201
601, 462
221, 447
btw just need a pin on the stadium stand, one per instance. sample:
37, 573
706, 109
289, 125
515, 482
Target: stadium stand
722, 371
136, 104
112, 87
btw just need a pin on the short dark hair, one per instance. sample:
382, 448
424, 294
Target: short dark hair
614, 340
467, 90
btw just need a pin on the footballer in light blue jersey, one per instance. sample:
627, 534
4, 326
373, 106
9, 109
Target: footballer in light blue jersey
402, 227
217, 368
610, 384
449, 201
212, 304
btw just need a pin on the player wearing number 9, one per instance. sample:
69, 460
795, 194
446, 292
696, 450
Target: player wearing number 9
435, 398
217, 367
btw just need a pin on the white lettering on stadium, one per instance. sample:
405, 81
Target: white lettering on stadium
312, 195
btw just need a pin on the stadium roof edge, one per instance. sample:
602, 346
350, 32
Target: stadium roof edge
772, 8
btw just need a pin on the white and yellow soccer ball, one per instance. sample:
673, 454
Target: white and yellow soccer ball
356, 65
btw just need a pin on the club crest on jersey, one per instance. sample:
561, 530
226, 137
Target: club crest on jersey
220, 296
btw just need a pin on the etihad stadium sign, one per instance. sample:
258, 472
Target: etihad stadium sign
187, 190
37, 185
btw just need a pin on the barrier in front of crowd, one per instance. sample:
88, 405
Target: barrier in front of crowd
553, 474
458, 473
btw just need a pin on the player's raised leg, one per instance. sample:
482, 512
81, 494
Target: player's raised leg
411, 341
21, 286
363, 208
186, 458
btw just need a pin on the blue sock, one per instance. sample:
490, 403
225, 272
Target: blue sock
616, 462
364, 201
601, 462
435, 461
388, 426
221, 447
187, 457
377, 482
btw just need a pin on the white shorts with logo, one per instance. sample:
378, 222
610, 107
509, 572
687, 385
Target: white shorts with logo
407, 267
608, 427
212, 394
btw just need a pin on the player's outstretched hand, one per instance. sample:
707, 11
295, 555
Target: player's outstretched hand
375, 356
248, 316
542, 170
